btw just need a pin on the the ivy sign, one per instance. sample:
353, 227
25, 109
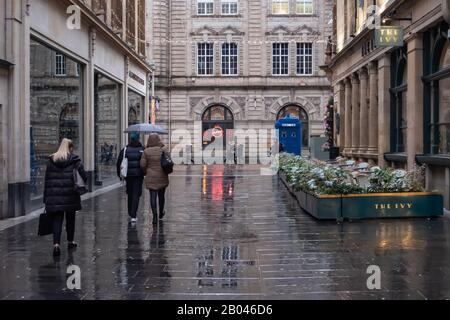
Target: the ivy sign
389, 36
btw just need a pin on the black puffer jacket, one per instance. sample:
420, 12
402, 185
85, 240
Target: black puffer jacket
134, 153
59, 193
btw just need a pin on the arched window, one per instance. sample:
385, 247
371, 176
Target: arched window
299, 113
217, 113
437, 91
217, 121
398, 100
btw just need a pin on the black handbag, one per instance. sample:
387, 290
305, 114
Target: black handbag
166, 163
45, 224
79, 184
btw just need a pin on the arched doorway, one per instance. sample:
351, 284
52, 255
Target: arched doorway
298, 112
218, 122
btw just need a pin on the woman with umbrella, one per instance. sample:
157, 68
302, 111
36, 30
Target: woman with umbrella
156, 180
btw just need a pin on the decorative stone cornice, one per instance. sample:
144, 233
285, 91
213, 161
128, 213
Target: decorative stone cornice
231, 30
362, 73
92, 39
372, 67
303, 29
204, 30
347, 81
354, 78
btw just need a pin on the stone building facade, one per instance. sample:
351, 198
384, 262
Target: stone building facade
254, 58
392, 101
64, 77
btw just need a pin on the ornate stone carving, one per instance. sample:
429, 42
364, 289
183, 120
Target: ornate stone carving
231, 30
240, 101
205, 29
193, 101
304, 29
277, 30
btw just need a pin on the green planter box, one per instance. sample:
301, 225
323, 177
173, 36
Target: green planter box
320, 207
364, 206
323, 207
392, 205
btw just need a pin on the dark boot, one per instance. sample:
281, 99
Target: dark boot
56, 251
155, 219
162, 214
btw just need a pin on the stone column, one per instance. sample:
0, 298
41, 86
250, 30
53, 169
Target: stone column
17, 122
373, 109
124, 109
124, 21
340, 109
89, 112
384, 100
136, 25
355, 114
108, 13
414, 111
348, 117
364, 113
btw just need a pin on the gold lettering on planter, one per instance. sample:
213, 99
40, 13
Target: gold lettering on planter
389, 206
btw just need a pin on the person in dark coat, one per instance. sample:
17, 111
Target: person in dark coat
60, 196
135, 176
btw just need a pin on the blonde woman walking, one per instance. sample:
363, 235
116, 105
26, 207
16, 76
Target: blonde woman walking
60, 197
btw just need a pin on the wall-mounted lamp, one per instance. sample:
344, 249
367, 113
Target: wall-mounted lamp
391, 16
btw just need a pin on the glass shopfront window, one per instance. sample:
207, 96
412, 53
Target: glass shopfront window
55, 109
443, 142
107, 129
437, 91
398, 91
136, 104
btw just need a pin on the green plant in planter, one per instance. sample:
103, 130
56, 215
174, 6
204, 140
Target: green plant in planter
315, 177
390, 180
323, 179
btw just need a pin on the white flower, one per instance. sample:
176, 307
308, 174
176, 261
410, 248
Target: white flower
375, 169
400, 173
312, 184
363, 165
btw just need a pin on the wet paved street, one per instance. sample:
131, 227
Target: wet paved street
229, 234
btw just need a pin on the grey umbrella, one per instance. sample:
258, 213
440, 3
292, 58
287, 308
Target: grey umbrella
145, 128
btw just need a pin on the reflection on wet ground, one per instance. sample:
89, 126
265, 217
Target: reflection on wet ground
230, 233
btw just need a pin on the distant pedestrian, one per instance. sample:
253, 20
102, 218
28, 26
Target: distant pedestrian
135, 176
60, 195
156, 180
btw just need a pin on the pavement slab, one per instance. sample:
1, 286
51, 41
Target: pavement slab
229, 233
